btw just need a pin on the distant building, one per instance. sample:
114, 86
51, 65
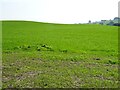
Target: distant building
103, 22
114, 22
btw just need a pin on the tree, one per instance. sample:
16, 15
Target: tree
89, 21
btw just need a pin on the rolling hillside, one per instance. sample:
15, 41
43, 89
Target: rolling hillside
46, 55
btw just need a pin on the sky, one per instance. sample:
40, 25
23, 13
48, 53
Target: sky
58, 11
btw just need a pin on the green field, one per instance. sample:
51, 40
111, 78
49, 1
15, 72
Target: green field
44, 55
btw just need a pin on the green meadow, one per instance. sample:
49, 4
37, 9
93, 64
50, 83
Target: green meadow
47, 55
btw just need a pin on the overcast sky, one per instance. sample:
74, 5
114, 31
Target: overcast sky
59, 11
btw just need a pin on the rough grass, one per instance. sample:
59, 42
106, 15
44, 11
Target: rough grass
47, 55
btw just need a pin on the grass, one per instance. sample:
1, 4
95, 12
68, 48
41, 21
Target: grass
44, 55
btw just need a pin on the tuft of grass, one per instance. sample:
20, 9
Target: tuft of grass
113, 62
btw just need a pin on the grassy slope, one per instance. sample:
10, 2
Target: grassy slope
76, 55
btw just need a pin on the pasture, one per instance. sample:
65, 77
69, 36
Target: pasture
46, 55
